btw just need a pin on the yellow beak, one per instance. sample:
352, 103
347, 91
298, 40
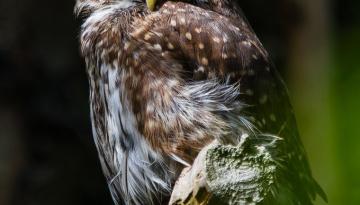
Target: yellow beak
151, 4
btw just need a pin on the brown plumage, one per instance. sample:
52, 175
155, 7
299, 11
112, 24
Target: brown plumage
164, 84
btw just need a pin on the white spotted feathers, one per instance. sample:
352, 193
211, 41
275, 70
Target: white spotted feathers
165, 84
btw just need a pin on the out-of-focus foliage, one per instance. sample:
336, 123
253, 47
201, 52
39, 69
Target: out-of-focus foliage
346, 96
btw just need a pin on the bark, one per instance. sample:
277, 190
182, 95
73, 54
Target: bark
226, 174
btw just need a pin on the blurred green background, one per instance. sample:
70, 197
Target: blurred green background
46, 151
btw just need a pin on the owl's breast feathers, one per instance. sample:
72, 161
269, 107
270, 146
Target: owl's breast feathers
180, 77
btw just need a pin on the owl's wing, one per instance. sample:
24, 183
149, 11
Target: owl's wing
210, 46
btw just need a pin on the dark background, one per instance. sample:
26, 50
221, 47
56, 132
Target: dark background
47, 154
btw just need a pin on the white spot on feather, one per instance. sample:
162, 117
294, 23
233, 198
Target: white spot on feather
182, 20
201, 45
198, 30
126, 45
200, 69
158, 47
147, 36
188, 36
246, 43
170, 46
204, 61
216, 40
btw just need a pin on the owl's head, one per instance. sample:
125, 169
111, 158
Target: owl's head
152, 4
84, 8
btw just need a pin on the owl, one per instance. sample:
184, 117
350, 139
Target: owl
169, 77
